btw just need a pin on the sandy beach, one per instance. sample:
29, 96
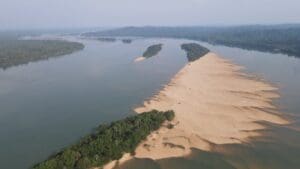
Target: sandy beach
215, 103
139, 59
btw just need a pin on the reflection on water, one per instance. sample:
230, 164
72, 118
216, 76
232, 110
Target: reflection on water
277, 148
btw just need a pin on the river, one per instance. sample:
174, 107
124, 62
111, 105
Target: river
47, 105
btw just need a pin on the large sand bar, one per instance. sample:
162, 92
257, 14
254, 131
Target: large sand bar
215, 103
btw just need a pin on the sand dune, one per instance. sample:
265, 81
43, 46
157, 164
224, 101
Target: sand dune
215, 103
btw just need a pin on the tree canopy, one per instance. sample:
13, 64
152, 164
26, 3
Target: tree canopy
107, 142
15, 52
273, 38
194, 51
152, 50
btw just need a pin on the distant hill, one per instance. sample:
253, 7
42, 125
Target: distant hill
268, 38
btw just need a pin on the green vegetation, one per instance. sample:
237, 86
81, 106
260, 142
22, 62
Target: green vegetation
16, 52
108, 142
152, 50
194, 51
127, 40
273, 38
170, 115
104, 39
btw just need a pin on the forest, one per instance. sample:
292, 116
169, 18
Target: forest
152, 50
272, 38
15, 52
194, 51
127, 41
106, 39
108, 142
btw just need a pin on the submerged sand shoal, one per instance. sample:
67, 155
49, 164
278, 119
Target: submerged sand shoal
214, 103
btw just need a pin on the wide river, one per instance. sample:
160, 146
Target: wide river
50, 104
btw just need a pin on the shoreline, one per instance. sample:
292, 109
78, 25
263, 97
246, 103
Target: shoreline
215, 103
139, 59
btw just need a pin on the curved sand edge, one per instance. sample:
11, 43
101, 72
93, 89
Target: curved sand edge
214, 104
139, 59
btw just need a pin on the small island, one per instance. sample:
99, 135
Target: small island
266, 38
106, 39
127, 41
152, 50
194, 51
15, 52
108, 142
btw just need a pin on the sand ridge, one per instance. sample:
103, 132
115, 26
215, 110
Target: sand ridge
214, 103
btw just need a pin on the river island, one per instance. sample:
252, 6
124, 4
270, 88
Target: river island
151, 51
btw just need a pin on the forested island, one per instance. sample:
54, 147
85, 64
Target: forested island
112, 39
273, 38
15, 52
105, 39
194, 51
108, 142
152, 50
127, 41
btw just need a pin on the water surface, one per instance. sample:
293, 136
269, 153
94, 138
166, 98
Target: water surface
278, 148
47, 105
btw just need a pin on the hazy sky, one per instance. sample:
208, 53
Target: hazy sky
19, 14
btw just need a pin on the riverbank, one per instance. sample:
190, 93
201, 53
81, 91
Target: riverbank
139, 59
14, 51
215, 103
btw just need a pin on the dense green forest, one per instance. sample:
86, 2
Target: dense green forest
16, 52
273, 38
194, 51
108, 142
152, 50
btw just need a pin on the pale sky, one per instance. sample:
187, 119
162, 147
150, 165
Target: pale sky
26, 14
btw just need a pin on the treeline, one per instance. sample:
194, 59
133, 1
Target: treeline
105, 39
108, 142
194, 51
16, 52
108, 39
127, 41
152, 50
274, 38
111, 39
